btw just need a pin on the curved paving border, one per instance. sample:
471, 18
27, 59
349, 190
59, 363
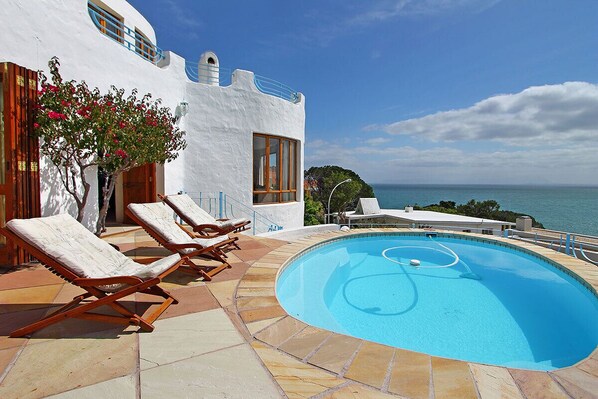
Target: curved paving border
309, 361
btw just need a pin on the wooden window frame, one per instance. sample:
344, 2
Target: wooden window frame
143, 46
292, 170
103, 15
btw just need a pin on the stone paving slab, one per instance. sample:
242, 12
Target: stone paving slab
234, 372
297, 379
83, 361
121, 388
187, 336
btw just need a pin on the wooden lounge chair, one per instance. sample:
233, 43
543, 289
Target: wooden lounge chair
201, 221
72, 252
157, 220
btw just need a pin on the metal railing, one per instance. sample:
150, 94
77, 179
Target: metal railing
132, 40
576, 245
223, 206
208, 74
275, 88
122, 34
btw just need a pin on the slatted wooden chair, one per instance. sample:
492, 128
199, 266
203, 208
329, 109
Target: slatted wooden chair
72, 252
158, 221
201, 221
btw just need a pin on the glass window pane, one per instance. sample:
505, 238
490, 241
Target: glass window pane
274, 164
285, 164
259, 163
265, 198
288, 197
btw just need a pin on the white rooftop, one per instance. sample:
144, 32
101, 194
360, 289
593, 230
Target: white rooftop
427, 217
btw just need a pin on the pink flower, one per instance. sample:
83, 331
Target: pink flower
53, 89
56, 115
107, 155
121, 124
120, 153
65, 103
35, 125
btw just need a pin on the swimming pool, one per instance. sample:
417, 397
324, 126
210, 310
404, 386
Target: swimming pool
496, 304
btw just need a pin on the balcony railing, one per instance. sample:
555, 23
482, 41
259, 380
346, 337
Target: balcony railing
274, 88
132, 40
122, 34
219, 76
208, 74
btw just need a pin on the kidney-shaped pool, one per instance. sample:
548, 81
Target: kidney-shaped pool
445, 295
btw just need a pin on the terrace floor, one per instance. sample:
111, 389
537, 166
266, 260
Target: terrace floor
229, 338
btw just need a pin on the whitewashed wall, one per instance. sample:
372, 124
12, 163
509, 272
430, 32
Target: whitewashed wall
220, 123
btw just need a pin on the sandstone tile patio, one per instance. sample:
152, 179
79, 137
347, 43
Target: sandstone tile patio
305, 342
355, 391
537, 384
370, 366
494, 382
245, 303
280, 331
335, 353
187, 336
260, 325
268, 312
123, 387
297, 379
577, 383
83, 361
204, 340
223, 291
452, 379
234, 372
410, 374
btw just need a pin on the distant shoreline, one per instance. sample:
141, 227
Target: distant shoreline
484, 185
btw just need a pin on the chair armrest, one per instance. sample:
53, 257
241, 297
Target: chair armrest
95, 282
186, 246
200, 227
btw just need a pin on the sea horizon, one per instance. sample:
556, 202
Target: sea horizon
567, 208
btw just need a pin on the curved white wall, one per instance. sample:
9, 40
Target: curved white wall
220, 122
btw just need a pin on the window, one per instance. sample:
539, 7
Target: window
274, 169
109, 24
144, 47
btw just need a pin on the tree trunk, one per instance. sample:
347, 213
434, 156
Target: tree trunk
107, 192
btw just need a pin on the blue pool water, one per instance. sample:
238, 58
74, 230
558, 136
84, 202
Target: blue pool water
496, 305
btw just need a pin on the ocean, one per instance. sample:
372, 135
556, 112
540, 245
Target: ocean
563, 208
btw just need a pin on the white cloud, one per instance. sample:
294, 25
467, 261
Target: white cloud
387, 10
539, 116
183, 18
406, 164
356, 15
378, 140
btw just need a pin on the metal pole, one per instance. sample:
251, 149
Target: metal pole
330, 197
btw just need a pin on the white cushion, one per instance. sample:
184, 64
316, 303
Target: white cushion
191, 210
196, 214
69, 243
368, 206
157, 216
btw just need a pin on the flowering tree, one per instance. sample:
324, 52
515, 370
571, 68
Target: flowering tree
67, 120
133, 132
80, 128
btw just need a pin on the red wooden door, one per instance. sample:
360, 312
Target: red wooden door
139, 185
19, 153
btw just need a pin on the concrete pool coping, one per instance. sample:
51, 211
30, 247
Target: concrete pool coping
307, 360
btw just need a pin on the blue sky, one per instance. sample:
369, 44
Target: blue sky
418, 91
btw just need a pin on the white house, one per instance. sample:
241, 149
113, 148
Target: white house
245, 133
